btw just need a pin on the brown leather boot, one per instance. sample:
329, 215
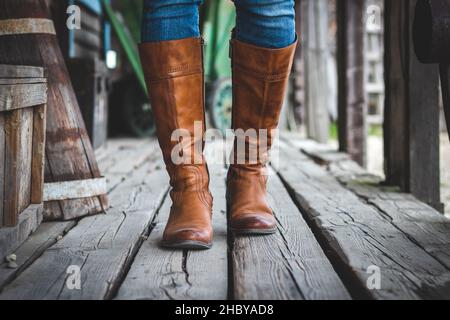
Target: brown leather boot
174, 75
259, 83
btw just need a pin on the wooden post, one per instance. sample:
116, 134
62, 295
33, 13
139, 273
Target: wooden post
12, 175
352, 112
445, 83
411, 128
315, 51
298, 96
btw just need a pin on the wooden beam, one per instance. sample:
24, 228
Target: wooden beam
38, 162
411, 128
445, 83
351, 94
11, 177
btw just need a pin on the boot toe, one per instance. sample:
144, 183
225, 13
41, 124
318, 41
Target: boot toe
188, 239
253, 224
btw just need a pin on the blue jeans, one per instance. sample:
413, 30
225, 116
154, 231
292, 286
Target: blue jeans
264, 23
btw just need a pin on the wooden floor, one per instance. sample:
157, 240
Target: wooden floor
339, 233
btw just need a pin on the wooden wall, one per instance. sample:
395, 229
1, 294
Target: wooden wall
411, 127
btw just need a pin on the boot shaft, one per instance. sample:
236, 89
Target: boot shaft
175, 81
260, 78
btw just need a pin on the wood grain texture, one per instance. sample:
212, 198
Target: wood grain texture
17, 96
421, 223
75, 189
25, 157
45, 236
351, 79
68, 152
37, 165
315, 51
13, 237
102, 246
10, 81
358, 236
444, 71
2, 165
411, 121
124, 156
162, 274
156, 273
288, 265
12, 177
17, 71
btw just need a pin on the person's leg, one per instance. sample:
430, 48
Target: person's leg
262, 52
266, 23
171, 55
165, 20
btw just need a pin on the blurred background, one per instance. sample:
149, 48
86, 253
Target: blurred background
106, 72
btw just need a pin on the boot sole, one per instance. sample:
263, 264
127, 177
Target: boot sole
253, 232
186, 245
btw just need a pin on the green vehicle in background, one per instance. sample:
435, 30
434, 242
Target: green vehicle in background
131, 110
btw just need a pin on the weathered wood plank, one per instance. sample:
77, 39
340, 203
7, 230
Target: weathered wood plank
2, 166
444, 71
11, 81
162, 274
288, 265
13, 71
37, 171
17, 96
45, 236
156, 273
357, 236
115, 149
12, 145
351, 92
125, 157
316, 53
411, 126
420, 222
13, 237
211, 266
25, 158
101, 246
67, 190
69, 152
322, 154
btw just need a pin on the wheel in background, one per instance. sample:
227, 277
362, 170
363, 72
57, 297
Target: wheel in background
220, 101
132, 112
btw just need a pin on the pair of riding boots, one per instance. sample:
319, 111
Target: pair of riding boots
175, 79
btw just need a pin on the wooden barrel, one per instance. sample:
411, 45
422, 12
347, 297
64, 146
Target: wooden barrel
27, 37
